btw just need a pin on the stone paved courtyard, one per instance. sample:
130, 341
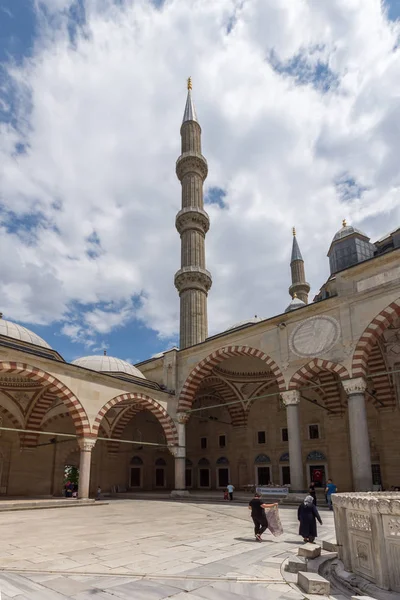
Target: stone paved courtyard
145, 550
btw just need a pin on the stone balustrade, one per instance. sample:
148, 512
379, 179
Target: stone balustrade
368, 535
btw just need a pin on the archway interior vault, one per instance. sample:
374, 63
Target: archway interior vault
234, 384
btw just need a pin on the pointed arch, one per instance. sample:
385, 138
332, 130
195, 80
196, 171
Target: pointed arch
200, 371
146, 403
55, 388
371, 335
118, 427
328, 374
226, 392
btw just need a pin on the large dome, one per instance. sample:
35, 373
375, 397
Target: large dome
107, 364
18, 332
246, 322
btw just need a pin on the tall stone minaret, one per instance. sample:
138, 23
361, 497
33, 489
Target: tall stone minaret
299, 286
192, 222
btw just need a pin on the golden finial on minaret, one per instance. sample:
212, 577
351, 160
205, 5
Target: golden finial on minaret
294, 230
344, 224
294, 295
189, 83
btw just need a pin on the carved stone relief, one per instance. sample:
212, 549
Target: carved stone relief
359, 521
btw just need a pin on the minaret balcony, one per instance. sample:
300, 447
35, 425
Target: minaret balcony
191, 162
193, 278
195, 219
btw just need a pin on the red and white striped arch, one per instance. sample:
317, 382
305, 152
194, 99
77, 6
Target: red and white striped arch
205, 367
54, 387
371, 335
325, 373
146, 403
118, 427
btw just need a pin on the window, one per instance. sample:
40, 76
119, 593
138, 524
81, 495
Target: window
203, 443
285, 435
261, 437
222, 441
313, 432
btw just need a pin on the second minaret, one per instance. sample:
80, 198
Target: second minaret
192, 281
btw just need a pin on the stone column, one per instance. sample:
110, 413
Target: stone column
291, 400
86, 446
359, 438
179, 453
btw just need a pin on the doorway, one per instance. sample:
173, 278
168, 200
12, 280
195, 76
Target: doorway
71, 481
136, 477
318, 475
285, 475
188, 478
160, 477
223, 476
204, 478
263, 475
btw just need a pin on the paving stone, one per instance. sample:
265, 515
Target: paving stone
309, 551
312, 583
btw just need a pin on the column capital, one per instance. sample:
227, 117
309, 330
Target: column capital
182, 418
358, 385
178, 451
87, 444
291, 397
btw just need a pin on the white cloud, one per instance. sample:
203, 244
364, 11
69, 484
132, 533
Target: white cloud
100, 120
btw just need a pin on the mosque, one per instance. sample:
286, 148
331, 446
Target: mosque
308, 394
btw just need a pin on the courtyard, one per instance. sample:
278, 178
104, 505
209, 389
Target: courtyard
146, 550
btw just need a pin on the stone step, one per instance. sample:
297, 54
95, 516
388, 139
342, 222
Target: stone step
309, 551
362, 598
296, 564
329, 546
312, 583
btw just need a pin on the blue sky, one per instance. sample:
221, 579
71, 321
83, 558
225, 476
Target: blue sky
252, 189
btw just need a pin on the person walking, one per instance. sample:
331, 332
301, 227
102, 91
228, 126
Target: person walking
329, 490
308, 515
313, 493
230, 489
257, 507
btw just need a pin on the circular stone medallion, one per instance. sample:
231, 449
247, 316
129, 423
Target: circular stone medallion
314, 336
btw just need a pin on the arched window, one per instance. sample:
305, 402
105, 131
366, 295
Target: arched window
316, 455
203, 462
189, 462
160, 462
284, 457
223, 461
136, 460
262, 459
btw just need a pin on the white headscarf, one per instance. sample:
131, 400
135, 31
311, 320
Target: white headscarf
308, 501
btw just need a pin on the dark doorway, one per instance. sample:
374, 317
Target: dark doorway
160, 478
223, 477
188, 478
136, 477
263, 475
317, 475
204, 477
285, 475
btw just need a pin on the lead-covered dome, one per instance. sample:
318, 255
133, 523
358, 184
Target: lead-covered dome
107, 364
347, 230
245, 322
295, 303
18, 332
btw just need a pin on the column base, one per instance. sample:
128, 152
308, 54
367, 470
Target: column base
180, 494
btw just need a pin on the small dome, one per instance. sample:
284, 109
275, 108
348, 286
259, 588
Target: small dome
18, 332
107, 364
246, 322
295, 303
347, 230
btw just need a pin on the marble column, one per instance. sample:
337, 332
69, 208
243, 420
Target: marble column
359, 437
291, 400
86, 446
179, 453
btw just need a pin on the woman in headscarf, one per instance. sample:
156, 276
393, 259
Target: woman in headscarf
308, 514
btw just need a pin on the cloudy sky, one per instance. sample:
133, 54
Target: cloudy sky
299, 104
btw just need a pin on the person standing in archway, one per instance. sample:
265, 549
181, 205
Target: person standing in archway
258, 515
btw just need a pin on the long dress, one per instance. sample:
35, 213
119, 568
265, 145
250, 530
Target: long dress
308, 516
